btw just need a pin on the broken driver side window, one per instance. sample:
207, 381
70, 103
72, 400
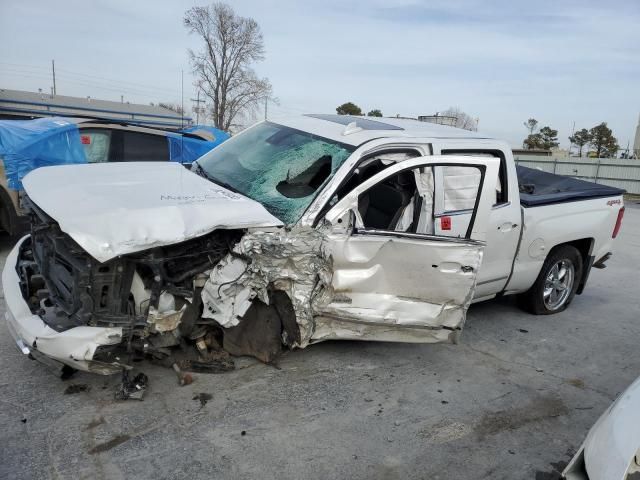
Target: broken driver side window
368, 167
411, 201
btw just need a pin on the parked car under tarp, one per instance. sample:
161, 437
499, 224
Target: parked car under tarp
28, 144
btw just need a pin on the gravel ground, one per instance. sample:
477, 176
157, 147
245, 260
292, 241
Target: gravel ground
513, 401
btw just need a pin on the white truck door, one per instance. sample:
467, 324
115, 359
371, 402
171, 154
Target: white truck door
394, 277
503, 230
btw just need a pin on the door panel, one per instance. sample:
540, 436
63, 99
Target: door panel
502, 241
503, 233
407, 286
402, 281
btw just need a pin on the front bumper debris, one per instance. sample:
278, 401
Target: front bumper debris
75, 347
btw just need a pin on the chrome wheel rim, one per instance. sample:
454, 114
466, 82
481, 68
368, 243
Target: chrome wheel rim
558, 284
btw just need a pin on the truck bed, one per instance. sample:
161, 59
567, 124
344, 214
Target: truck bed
543, 188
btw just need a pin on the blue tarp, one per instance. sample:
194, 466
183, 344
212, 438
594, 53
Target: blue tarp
209, 133
28, 144
186, 149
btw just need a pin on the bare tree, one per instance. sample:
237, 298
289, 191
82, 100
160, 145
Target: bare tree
531, 125
463, 120
231, 45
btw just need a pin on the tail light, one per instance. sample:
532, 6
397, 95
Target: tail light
616, 229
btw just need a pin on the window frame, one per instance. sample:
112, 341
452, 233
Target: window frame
110, 134
502, 169
414, 148
122, 144
428, 236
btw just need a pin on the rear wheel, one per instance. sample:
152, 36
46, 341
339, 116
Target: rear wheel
556, 284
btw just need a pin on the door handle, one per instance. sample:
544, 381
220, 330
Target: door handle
507, 227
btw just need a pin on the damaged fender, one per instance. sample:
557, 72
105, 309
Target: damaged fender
292, 261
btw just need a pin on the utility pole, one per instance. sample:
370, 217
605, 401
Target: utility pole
182, 98
266, 102
53, 69
573, 131
197, 109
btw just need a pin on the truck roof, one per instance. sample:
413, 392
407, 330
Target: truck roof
336, 127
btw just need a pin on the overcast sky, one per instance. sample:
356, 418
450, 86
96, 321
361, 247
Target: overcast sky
558, 61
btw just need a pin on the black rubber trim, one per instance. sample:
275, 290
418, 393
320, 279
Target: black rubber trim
586, 270
601, 262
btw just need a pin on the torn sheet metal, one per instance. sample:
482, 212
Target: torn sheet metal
328, 328
115, 209
340, 289
291, 261
165, 321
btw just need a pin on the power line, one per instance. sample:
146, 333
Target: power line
113, 85
62, 72
113, 88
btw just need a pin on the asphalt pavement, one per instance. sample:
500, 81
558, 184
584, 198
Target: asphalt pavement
513, 400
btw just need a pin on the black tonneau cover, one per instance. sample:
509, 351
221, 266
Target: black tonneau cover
544, 188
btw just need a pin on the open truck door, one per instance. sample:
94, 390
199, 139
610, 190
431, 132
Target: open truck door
400, 272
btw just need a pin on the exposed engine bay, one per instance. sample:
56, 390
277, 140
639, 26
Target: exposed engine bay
154, 296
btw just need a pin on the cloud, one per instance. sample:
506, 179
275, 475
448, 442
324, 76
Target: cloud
503, 61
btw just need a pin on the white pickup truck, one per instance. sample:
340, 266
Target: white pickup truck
313, 228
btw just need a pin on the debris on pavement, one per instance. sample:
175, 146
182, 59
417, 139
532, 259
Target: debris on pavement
183, 378
134, 388
203, 398
77, 388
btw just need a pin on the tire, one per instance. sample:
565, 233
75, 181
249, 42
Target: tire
554, 290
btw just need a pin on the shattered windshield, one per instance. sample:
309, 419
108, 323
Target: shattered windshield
280, 167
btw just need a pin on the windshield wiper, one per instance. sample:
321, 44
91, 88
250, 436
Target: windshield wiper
199, 170
203, 173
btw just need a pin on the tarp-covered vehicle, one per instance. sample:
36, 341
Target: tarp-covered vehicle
313, 228
29, 144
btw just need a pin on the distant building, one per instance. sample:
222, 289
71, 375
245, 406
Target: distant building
532, 153
557, 152
17, 104
448, 120
636, 142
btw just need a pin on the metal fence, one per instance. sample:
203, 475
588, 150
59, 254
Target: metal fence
607, 171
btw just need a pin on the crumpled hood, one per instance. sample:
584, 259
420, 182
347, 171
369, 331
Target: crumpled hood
120, 208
